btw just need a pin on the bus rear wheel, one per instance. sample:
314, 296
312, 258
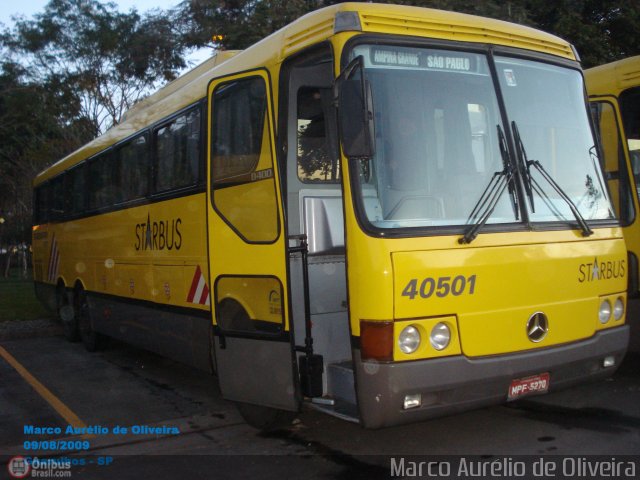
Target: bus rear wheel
92, 340
67, 315
265, 419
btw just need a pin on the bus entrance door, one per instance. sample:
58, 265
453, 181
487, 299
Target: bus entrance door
247, 247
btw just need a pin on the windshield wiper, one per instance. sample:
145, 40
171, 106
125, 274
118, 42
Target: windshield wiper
523, 166
506, 163
488, 201
526, 165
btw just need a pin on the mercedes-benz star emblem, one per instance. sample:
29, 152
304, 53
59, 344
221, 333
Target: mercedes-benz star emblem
537, 327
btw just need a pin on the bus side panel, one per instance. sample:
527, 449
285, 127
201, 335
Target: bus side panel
145, 269
179, 334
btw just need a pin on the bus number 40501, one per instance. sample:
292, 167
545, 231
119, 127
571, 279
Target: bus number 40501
441, 286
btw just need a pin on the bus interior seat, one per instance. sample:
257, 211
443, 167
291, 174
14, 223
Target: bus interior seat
460, 177
323, 222
406, 158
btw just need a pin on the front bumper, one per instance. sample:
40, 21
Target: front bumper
453, 384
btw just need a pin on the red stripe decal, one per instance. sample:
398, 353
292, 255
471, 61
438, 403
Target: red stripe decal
51, 254
205, 294
194, 285
56, 264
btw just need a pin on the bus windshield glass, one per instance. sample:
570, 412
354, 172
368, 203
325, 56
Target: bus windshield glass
437, 139
547, 104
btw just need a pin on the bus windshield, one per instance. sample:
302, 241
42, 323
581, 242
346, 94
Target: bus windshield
438, 131
547, 104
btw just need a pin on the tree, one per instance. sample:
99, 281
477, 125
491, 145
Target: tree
107, 60
601, 30
36, 127
315, 161
236, 24
66, 76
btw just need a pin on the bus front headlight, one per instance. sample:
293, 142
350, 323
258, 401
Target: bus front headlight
440, 336
409, 339
604, 314
618, 309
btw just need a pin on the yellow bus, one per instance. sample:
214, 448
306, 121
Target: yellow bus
388, 213
614, 93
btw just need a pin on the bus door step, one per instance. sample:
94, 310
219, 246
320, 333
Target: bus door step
336, 408
340, 382
330, 402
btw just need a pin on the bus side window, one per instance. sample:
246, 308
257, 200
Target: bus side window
133, 169
43, 193
178, 152
58, 200
101, 183
77, 189
242, 172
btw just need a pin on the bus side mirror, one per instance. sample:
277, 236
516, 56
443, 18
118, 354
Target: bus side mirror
357, 131
355, 112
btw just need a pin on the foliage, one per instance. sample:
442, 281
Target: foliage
237, 24
601, 30
67, 75
107, 60
314, 159
35, 128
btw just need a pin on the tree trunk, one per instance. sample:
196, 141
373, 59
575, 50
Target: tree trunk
24, 263
6, 270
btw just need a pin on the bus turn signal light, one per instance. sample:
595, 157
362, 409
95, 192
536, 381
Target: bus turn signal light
376, 340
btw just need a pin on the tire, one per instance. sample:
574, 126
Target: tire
67, 315
92, 340
60, 301
265, 419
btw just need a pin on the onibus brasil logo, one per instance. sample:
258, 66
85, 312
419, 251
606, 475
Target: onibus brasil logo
21, 467
18, 467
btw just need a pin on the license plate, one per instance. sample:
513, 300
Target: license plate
521, 387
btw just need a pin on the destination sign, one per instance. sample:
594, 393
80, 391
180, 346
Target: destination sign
414, 58
449, 63
392, 57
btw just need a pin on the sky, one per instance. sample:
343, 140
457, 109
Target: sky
8, 8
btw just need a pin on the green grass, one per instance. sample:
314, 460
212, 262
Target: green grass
18, 299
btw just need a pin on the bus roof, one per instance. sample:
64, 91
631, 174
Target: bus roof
612, 78
312, 28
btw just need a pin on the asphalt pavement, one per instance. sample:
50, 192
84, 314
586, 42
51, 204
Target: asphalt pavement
179, 425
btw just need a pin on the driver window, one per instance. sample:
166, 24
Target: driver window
316, 159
